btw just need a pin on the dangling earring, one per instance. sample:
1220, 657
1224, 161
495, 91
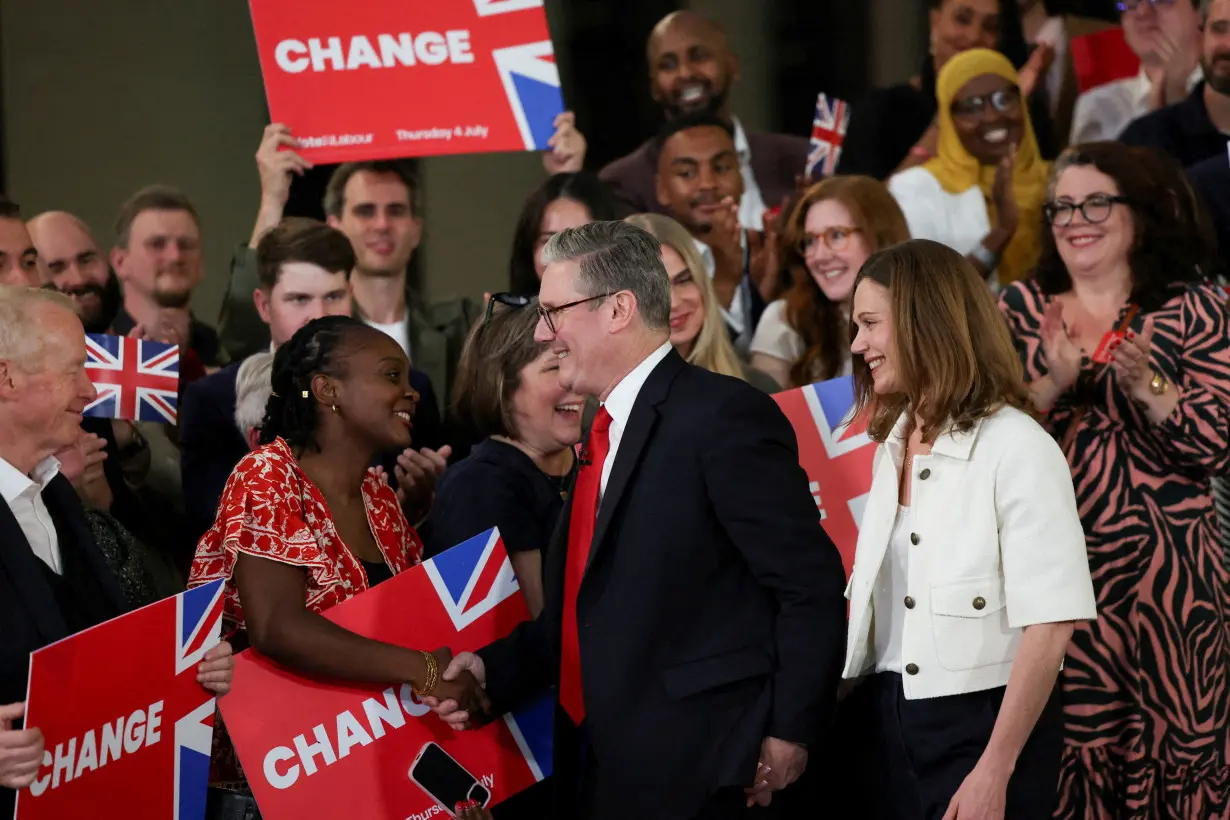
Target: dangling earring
334, 406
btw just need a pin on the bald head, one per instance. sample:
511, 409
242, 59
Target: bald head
691, 66
71, 260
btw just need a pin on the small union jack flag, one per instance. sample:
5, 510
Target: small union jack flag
136, 380
828, 132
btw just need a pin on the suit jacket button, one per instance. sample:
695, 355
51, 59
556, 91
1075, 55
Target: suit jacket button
980, 603
914, 538
911, 669
925, 474
909, 602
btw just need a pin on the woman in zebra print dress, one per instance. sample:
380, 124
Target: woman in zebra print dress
1144, 419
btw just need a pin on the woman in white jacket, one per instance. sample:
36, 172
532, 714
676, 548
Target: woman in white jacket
971, 565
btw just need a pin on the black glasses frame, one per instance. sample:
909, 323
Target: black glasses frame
548, 313
1002, 100
1053, 210
515, 301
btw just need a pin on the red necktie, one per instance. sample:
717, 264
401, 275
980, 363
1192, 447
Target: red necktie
580, 537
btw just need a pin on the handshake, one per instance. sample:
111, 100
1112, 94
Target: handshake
459, 697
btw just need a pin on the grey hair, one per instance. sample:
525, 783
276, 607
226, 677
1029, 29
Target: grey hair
253, 384
22, 338
616, 256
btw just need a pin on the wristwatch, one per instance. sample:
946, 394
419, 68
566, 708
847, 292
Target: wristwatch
1158, 384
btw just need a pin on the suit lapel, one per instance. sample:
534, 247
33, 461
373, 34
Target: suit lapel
635, 437
19, 562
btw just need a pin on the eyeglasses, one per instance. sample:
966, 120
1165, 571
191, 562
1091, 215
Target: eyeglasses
1003, 100
837, 238
1094, 209
548, 314
1132, 5
514, 301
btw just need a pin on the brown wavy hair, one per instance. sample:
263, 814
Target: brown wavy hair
808, 311
953, 350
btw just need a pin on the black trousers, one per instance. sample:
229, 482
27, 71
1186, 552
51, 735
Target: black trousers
915, 754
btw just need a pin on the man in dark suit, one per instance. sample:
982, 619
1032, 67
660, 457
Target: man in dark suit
694, 617
54, 580
304, 268
691, 70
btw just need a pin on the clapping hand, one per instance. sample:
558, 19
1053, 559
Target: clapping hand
417, 473
1129, 358
725, 240
1035, 67
1007, 213
454, 698
1063, 357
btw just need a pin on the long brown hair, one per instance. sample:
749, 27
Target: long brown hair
954, 353
809, 312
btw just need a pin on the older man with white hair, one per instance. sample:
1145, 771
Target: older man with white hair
253, 385
54, 580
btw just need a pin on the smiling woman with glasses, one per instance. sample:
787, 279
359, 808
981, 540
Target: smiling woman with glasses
982, 194
1126, 347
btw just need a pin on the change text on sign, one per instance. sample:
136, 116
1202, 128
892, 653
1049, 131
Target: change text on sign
390, 50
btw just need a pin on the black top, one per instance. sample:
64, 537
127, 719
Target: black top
377, 572
497, 485
202, 339
1182, 130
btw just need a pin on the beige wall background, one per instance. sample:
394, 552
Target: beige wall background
103, 98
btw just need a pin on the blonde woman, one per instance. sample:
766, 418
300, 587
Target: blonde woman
697, 329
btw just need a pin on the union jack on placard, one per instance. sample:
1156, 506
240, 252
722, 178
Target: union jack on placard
828, 132
136, 380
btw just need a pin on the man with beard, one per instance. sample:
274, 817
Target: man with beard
1199, 127
159, 261
71, 261
18, 258
376, 204
691, 71
698, 183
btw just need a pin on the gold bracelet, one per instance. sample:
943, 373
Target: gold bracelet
433, 675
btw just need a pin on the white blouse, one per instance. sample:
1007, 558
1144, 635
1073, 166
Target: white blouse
891, 596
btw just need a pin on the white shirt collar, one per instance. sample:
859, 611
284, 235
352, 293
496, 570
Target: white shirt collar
619, 403
742, 147
13, 483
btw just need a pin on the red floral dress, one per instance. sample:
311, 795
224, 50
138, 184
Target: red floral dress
271, 509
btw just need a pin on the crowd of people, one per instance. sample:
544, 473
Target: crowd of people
1024, 283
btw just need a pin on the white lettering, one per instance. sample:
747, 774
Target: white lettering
431, 48
133, 734
40, 784
459, 46
152, 723
280, 754
393, 51
390, 712
362, 54
410, 703
63, 763
286, 62
307, 751
333, 53
350, 734
89, 755
112, 738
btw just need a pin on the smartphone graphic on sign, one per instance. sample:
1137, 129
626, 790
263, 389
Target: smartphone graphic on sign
437, 773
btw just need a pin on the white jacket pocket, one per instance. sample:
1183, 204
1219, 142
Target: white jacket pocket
970, 624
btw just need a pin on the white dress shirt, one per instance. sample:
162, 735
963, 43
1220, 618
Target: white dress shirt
1103, 113
996, 545
737, 316
24, 496
619, 404
751, 206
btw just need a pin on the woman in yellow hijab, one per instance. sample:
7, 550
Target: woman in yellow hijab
983, 193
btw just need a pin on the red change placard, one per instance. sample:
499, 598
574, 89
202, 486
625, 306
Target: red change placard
313, 748
372, 79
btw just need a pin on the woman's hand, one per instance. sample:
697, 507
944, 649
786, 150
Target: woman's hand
1035, 68
1063, 357
1129, 358
1007, 215
471, 810
983, 795
216, 671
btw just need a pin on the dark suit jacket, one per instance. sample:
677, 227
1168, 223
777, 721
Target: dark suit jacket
211, 445
776, 160
30, 618
711, 612
1182, 130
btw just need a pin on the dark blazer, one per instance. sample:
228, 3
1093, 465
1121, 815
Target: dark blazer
776, 160
711, 611
1182, 130
211, 445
